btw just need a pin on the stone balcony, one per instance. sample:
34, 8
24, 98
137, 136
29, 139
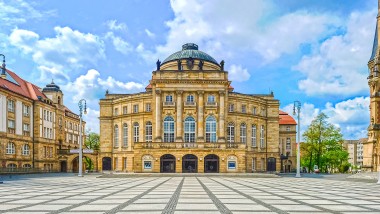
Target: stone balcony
160, 145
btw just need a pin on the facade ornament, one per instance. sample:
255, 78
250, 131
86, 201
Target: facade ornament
200, 92
107, 92
158, 63
222, 92
200, 65
158, 91
190, 63
179, 92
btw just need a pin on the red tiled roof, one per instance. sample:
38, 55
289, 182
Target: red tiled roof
286, 119
24, 88
149, 86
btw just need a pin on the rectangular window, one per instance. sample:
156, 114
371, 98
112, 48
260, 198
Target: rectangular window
136, 108
11, 124
231, 164
253, 138
169, 99
254, 111
147, 107
116, 112
211, 99
147, 164
262, 137
51, 116
243, 109
26, 127
231, 108
124, 164
11, 106
253, 164
136, 133
149, 133
26, 110
263, 112
125, 110
288, 145
288, 128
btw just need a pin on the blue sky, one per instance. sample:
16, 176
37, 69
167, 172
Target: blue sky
312, 51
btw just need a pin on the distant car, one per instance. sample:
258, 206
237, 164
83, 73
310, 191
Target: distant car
316, 169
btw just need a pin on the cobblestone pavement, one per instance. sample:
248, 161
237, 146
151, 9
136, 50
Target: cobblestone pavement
71, 194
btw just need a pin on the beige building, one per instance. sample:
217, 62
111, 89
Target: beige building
33, 131
371, 149
189, 119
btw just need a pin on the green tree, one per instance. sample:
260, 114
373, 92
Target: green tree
323, 146
92, 142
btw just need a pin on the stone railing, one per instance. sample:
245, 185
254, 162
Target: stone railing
162, 145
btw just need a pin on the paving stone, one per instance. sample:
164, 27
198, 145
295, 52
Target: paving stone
196, 207
343, 208
145, 207
48, 207
95, 207
295, 207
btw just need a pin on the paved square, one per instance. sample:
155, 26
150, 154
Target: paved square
213, 194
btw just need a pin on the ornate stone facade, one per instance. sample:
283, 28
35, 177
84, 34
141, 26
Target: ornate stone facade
34, 135
190, 120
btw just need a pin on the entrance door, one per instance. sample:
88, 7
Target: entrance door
63, 166
167, 164
271, 164
106, 163
211, 164
75, 164
189, 164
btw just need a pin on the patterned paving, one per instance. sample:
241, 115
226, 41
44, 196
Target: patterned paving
187, 195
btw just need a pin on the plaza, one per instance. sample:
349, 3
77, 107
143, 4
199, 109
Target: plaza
67, 193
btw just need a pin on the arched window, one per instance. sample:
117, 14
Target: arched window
210, 129
136, 132
190, 99
168, 129
253, 138
262, 137
190, 130
125, 135
11, 167
11, 148
25, 149
243, 133
148, 132
116, 136
230, 133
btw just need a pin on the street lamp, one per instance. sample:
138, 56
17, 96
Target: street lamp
80, 135
3, 75
297, 104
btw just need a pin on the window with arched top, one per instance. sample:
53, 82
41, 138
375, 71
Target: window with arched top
25, 149
168, 129
125, 135
189, 130
11, 149
243, 133
136, 132
116, 136
230, 133
211, 129
148, 131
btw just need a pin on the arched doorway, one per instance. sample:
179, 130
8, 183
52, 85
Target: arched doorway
189, 163
271, 166
167, 163
63, 166
75, 164
211, 164
106, 163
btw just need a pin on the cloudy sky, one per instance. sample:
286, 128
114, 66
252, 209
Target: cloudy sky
312, 51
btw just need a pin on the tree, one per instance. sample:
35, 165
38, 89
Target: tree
92, 142
323, 146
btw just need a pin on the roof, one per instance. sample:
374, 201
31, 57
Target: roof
375, 44
190, 50
51, 87
20, 86
286, 119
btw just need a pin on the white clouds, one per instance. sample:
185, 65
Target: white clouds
119, 44
150, 34
351, 116
92, 120
68, 51
338, 65
238, 74
112, 25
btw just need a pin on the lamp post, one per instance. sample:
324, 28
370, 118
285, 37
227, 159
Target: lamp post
80, 135
297, 104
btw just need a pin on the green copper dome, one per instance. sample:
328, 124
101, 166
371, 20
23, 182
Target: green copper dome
190, 50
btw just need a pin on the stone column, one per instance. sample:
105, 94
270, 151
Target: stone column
158, 116
179, 117
200, 117
221, 121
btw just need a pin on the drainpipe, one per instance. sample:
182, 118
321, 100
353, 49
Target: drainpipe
33, 135
266, 138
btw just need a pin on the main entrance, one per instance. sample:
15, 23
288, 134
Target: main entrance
63, 166
271, 166
189, 163
211, 164
167, 163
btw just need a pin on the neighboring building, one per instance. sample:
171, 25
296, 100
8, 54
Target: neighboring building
371, 149
190, 120
288, 144
32, 135
351, 147
360, 152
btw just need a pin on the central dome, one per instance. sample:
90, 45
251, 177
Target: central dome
190, 50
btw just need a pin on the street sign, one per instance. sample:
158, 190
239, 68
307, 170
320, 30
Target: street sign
85, 151
74, 151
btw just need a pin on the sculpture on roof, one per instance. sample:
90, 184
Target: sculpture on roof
179, 65
222, 65
200, 65
158, 63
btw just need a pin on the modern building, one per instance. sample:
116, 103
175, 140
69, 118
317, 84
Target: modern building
351, 146
189, 119
35, 127
371, 149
